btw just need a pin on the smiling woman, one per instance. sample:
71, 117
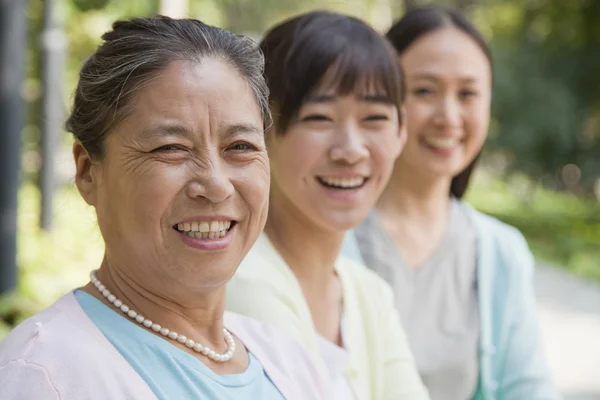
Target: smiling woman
336, 92
462, 280
168, 120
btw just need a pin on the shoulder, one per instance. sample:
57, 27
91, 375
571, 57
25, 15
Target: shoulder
48, 352
363, 283
59, 352
502, 247
499, 240
287, 362
494, 230
265, 288
263, 266
51, 332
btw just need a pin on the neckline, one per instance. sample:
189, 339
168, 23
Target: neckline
250, 374
439, 250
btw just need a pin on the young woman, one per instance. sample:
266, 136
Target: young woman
461, 278
336, 93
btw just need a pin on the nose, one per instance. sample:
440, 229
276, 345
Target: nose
211, 182
449, 113
348, 146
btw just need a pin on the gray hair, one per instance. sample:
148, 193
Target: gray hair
134, 52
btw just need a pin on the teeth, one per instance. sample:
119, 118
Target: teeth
343, 182
441, 143
205, 229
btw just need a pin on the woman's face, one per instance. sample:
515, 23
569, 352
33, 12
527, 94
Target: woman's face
182, 192
448, 95
335, 158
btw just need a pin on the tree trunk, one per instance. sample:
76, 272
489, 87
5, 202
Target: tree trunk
12, 55
174, 8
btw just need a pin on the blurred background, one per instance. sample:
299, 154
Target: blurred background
540, 171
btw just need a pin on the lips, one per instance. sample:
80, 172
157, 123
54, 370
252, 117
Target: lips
442, 143
213, 229
343, 183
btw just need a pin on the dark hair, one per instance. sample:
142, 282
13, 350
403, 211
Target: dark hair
134, 52
301, 51
420, 21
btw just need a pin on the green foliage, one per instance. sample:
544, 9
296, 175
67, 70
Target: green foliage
547, 92
50, 264
561, 229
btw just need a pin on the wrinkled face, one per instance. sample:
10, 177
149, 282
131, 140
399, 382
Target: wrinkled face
335, 158
182, 192
448, 86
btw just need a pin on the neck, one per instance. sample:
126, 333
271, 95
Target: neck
309, 250
201, 319
415, 197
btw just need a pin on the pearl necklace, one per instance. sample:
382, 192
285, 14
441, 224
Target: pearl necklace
197, 347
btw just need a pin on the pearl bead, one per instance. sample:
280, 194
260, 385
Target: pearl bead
164, 331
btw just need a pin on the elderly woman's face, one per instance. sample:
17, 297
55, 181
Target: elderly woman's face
182, 192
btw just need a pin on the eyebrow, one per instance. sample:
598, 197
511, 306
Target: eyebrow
432, 77
243, 128
167, 129
330, 98
162, 130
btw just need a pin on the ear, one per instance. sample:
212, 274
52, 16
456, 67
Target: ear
402, 133
86, 178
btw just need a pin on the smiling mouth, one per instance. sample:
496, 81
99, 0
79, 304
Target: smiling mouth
205, 229
442, 144
342, 183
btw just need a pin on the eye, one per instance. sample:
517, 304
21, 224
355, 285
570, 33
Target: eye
377, 117
168, 148
467, 93
422, 92
242, 146
316, 117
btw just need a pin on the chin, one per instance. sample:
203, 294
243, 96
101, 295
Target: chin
343, 223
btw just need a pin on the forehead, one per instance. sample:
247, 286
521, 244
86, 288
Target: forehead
188, 92
446, 52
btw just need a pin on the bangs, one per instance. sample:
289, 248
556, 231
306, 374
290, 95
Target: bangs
358, 72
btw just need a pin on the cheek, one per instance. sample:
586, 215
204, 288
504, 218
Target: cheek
252, 184
145, 197
418, 113
384, 153
478, 124
292, 159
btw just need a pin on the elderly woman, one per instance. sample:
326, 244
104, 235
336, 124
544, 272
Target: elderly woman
168, 120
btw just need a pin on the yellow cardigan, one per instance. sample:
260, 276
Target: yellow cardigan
380, 367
